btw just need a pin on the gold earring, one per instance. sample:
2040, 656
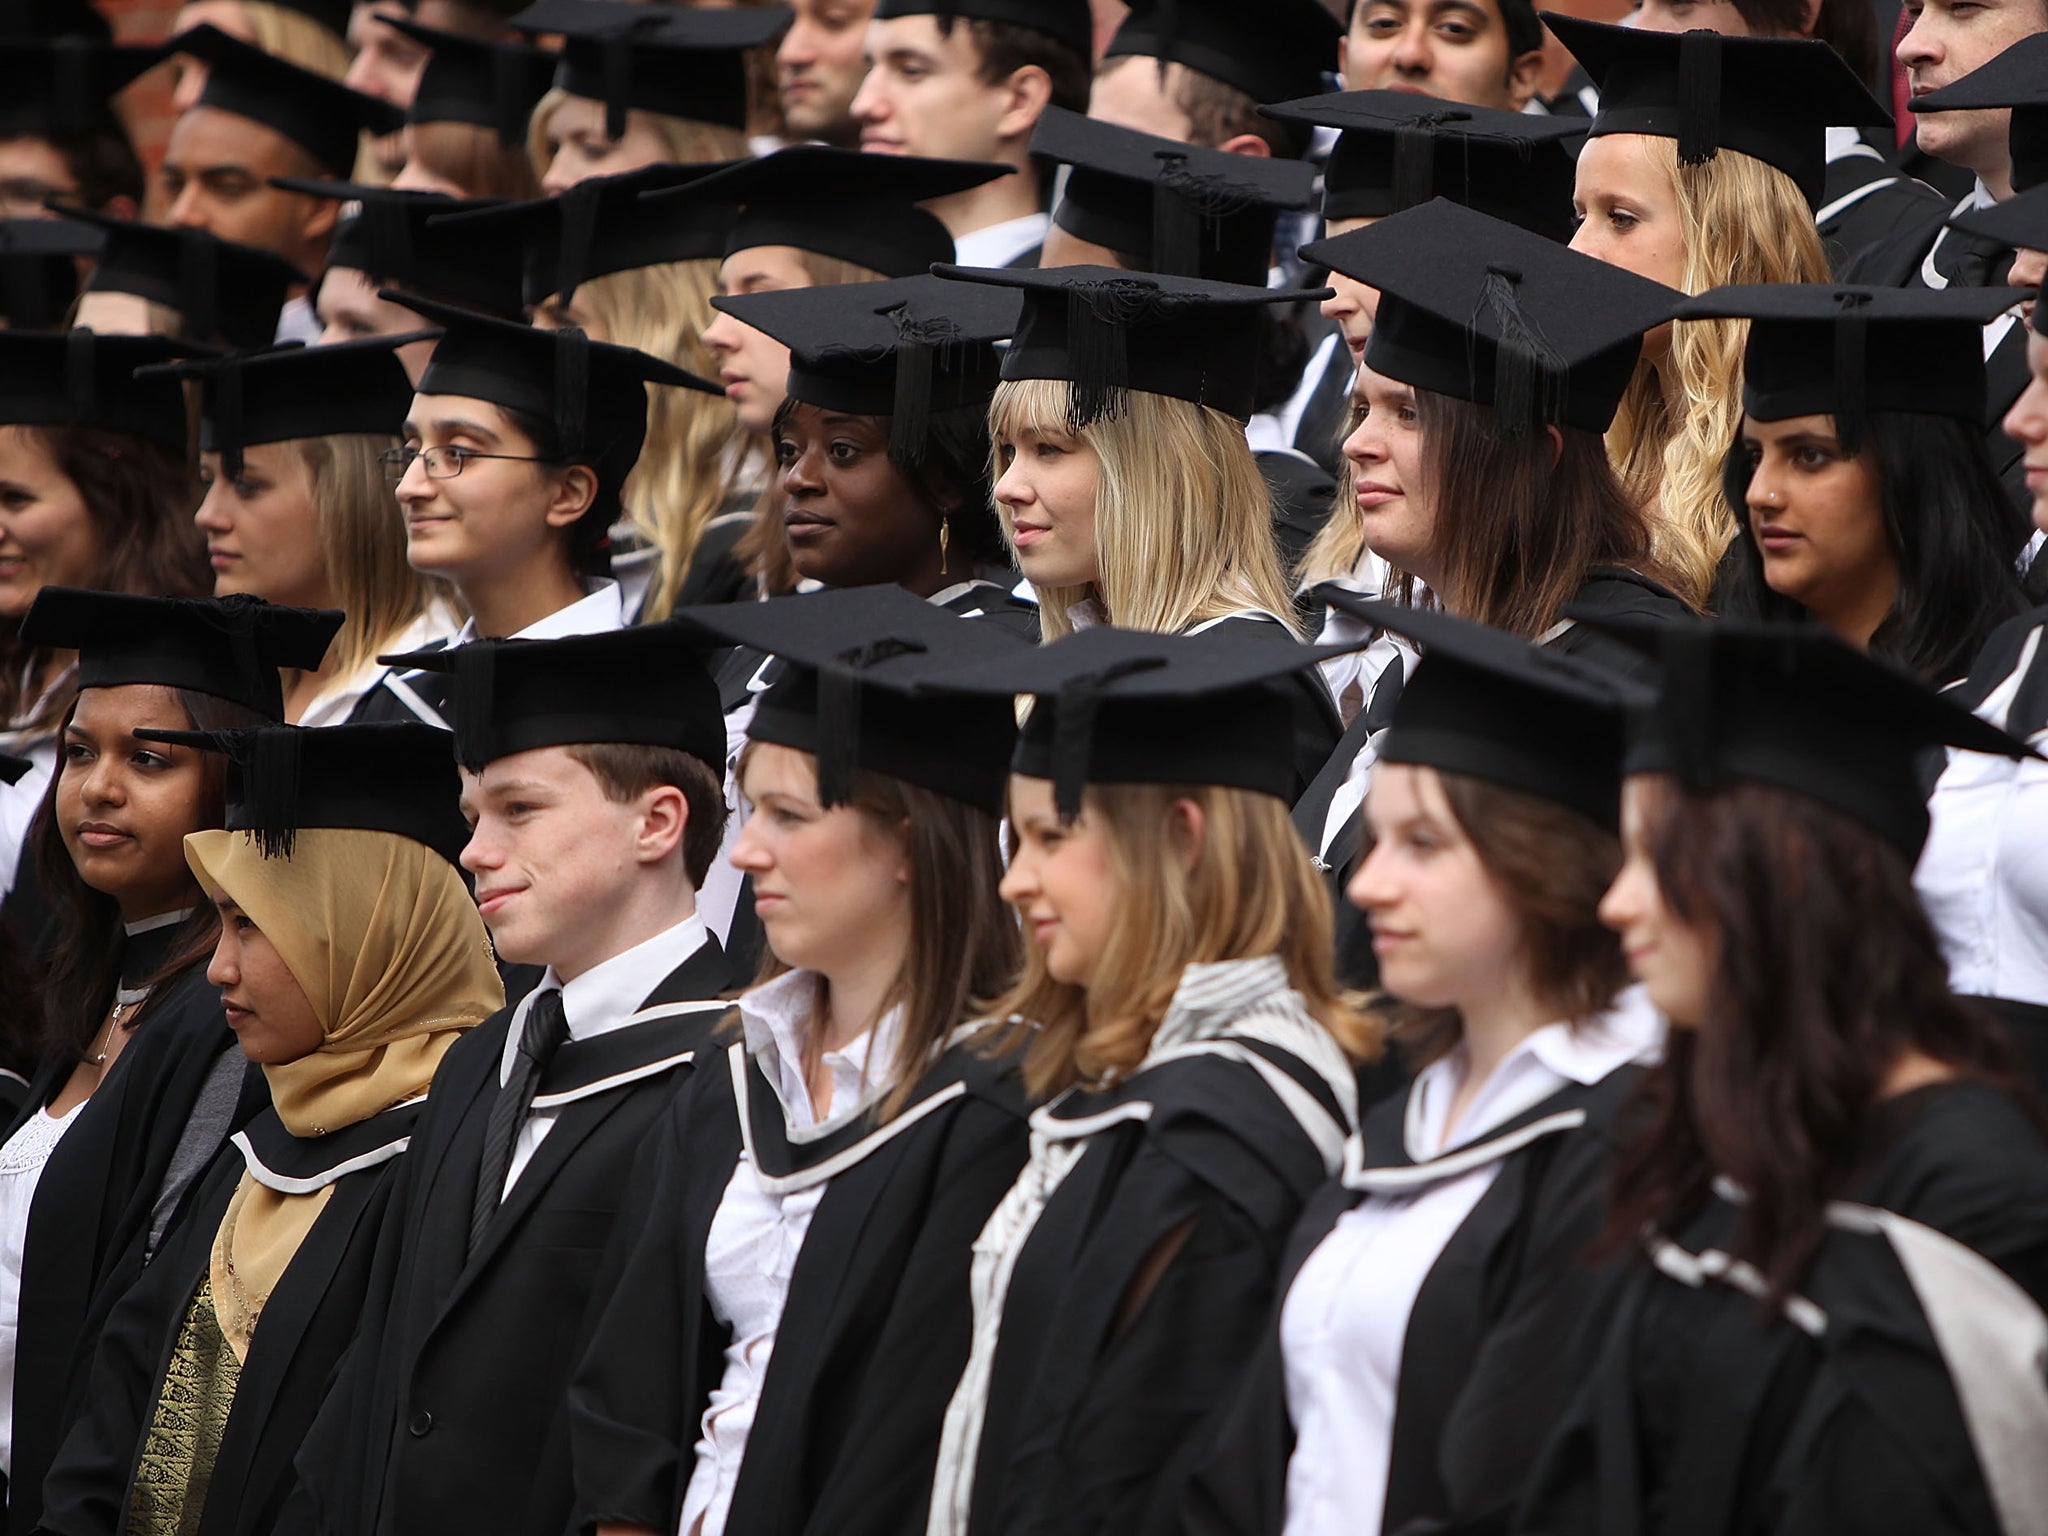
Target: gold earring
945, 537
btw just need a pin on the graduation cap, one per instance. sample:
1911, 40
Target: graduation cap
2021, 221
1106, 331
219, 289
489, 83
598, 227
1171, 207
48, 19
396, 237
1842, 350
1772, 98
2016, 78
860, 688
1068, 22
857, 207
1488, 704
61, 87
39, 270
322, 116
905, 348
226, 647
1271, 50
284, 779
1397, 150
519, 695
1792, 706
79, 379
675, 60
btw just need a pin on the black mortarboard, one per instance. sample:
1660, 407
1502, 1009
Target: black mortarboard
2016, 78
1840, 350
286, 779
1105, 331
904, 348
598, 227
1127, 706
857, 207
397, 237
38, 270
219, 289
520, 695
2021, 221
1488, 704
227, 647
1795, 707
1397, 150
1772, 98
1483, 310
53, 18
1167, 206
675, 60
1270, 51
851, 659
77, 379
62, 86
490, 83
322, 116
1064, 21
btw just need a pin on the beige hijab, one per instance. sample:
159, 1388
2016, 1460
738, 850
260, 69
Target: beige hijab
384, 940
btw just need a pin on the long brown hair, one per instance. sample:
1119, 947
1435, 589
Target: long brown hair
1828, 971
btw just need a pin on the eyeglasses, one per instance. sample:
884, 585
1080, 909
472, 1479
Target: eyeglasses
446, 463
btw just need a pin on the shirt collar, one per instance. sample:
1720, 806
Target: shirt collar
606, 996
774, 1018
997, 245
601, 609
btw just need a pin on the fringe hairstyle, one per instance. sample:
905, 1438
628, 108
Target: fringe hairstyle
688, 141
1250, 892
297, 38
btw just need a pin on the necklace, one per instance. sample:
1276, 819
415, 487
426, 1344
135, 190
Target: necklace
126, 1000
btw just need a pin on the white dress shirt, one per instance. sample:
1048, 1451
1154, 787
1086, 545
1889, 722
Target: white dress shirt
22, 1161
997, 245
600, 610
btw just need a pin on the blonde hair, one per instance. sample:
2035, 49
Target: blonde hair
1339, 544
1744, 222
1250, 891
297, 38
688, 141
475, 159
1183, 519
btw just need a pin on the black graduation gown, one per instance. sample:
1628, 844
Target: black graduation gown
407, 697
1487, 1362
874, 1332
1702, 1415
306, 1326
1867, 201
438, 1423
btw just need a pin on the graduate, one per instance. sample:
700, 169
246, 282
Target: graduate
39, 261
1423, 1345
139, 1083
1177, 998
151, 281
465, 128
350, 959
595, 810
793, 1308
61, 135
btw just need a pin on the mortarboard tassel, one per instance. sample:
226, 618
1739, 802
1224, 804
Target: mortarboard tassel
1699, 97
270, 788
1098, 316
198, 282
508, 101
1528, 374
80, 385
1852, 350
1415, 162
1187, 206
838, 734
72, 90
572, 389
615, 67
1073, 742
923, 347
578, 236
225, 400
476, 687
1685, 704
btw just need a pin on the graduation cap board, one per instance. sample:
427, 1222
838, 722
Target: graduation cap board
1271, 51
1842, 350
905, 348
1794, 707
226, 647
1165, 206
837, 202
79, 379
675, 60
1482, 310
397, 237
1105, 331
861, 687
1067, 22
491, 84
39, 270
62, 87
516, 696
2016, 78
1771, 98
1396, 150
218, 288
322, 116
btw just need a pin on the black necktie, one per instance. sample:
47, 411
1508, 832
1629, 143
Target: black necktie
545, 1029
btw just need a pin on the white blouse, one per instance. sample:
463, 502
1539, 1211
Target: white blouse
22, 1161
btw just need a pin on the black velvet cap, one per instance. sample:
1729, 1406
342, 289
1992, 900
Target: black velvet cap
2016, 78
39, 272
1792, 706
1169, 206
1483, 310
1105, 331
1840, 350
598, 227
494, 85
853, 658
646, 685
63, 86
2021, 221
1489, 704
838, 202
1396, 150
397, 237
675, 60
322, 116
1064, 21
1271, 51
226, 647
78, 379
219, 289
904, 348
284, 779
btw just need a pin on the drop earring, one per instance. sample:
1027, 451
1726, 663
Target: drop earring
945, 537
